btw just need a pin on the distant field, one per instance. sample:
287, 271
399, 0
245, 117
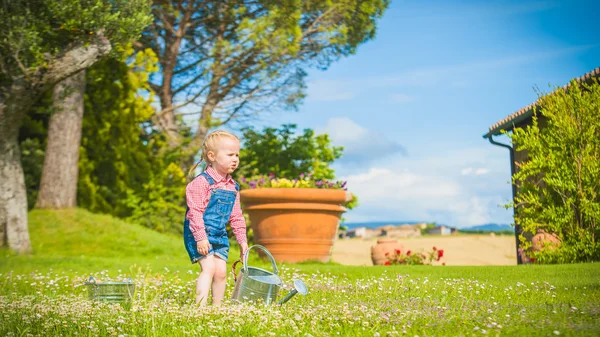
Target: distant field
460, 250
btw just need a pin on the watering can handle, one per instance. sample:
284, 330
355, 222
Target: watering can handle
233, 269
275, 270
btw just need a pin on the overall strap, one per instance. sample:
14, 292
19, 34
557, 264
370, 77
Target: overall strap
210, 180
237, 186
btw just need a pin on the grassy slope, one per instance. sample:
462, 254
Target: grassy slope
84, 242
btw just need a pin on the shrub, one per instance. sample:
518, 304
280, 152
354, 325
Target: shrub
559, 185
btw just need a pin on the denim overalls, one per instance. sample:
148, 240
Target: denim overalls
216, 216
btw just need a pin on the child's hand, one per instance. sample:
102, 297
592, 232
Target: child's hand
243, 249
203, 247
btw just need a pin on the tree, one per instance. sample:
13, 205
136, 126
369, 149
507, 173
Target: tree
58, 186
225, 61
559, 184
42, 42
126, 168
281, 152
117, 146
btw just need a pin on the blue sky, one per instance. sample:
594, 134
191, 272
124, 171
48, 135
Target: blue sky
412, 105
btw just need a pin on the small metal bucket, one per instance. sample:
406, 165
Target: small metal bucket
255, 283
112, 292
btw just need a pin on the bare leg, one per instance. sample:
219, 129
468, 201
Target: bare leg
219, 280
204, 280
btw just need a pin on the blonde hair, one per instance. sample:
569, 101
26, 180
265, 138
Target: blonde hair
210, 143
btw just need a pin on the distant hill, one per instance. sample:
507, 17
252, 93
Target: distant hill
490, 227
377, 224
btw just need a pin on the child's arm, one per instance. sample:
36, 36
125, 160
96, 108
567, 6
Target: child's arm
195, 195
238, 225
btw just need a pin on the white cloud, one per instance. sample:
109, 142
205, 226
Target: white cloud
481, 171
470, 171
360, 144
343, 130
400, 186
459, 188
386, 194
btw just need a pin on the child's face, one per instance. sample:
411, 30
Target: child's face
227, 156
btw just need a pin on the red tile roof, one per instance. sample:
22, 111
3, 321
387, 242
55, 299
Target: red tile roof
525, 113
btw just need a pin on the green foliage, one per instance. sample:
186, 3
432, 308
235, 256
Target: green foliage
124, 167
113, 118
281, 158
161, 205
353, 203
286, 154
131, 175
239, 58
559, 185
32, 159
428, 227
32, 32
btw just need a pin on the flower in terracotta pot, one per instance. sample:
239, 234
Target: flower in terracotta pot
415, 258
295, 219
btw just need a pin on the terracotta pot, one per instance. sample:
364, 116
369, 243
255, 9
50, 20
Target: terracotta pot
544, 239
384, 246
295, 224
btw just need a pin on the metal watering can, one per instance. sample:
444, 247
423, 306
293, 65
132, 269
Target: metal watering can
258, 284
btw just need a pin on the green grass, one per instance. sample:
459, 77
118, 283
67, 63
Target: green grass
77, 240
43, 294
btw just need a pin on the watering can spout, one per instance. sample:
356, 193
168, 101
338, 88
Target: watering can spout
299, 288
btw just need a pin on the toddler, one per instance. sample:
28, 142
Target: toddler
213, 200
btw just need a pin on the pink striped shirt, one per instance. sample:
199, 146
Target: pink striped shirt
197, 194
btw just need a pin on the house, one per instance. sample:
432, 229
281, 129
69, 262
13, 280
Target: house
441, 230
402, 231
360, 232
520, 119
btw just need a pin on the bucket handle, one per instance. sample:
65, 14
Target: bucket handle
275, 271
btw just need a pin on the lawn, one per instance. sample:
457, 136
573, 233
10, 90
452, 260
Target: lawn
44, 294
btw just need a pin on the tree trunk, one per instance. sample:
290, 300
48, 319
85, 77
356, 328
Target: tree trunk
13, 198
15, 100
58, 187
